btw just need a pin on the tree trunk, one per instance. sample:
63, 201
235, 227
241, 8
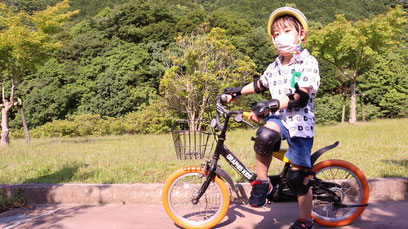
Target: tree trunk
7, 105
4, 125
23, 119
362, 108
352, 118
343, 111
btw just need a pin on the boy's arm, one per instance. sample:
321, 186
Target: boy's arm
263, 108
247, 89
285, 100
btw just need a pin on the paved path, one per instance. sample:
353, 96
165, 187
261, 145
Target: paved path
378, 215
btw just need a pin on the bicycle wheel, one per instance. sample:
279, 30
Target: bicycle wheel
349, 183
179, 190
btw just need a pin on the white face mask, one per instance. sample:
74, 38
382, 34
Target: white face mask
285, 43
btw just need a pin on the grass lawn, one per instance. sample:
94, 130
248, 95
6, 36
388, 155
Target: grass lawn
378, 148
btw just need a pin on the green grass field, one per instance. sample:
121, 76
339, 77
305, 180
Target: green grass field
378, 148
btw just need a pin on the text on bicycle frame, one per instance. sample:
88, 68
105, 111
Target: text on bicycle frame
238, 166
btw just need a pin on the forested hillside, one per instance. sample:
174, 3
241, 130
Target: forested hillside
116, 52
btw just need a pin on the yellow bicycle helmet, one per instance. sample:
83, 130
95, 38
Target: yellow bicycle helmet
287, 11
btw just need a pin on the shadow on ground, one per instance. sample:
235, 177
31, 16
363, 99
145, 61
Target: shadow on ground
281, 215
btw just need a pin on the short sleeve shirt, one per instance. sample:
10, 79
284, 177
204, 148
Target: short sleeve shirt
278, 79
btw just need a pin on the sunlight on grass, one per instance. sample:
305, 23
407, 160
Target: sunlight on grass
378, 148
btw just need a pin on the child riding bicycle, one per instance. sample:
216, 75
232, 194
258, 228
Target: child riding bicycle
292, 80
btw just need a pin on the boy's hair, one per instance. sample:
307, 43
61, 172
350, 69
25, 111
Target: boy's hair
283, 21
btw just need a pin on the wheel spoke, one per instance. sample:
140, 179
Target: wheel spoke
345, 184
207, 212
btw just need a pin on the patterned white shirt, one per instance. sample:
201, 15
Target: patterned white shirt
278, 79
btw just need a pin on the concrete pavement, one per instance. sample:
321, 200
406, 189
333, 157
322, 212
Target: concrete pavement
378, 215
139, 206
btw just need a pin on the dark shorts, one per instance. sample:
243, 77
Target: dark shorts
299, 148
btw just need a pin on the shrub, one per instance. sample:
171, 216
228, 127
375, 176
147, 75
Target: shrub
328, 109
73, 126
150, 119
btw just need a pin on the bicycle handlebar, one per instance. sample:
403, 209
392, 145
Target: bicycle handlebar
222, 99
246, 114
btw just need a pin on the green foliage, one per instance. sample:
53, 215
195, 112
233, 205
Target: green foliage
151, 119
328, 109
201, 65
371, 111
386, 85
332, 82
137, 21
115, 53
91, 8
14, 200
29, 6
95, 74
49, 96
27, 40
259, 48
72, 126
350, 47
256, 12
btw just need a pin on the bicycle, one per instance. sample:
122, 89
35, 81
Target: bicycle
199, 196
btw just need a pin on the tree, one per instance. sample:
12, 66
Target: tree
386, 85
26, 41
201, 65
351, 47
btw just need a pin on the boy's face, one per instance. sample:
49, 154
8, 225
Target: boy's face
288, 29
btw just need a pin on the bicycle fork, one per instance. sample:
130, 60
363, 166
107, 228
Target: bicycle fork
209, 177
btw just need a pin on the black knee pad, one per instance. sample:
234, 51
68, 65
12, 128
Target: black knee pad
266, 141
295, 180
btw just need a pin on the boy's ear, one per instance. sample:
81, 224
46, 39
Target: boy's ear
302, 34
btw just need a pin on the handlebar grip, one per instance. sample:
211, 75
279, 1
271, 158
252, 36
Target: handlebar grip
246, 114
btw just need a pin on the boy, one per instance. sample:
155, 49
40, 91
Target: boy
293, 80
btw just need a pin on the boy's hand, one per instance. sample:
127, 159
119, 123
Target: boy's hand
252, 116
263, 108
228, 98
232, 93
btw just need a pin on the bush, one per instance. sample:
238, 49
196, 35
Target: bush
12, 200
150, 119
153, 119
74, 126
370, 111
328, 109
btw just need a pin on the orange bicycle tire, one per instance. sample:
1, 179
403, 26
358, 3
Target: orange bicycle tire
191, 170
365, 191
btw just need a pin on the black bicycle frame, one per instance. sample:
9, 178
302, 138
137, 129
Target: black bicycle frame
237, 164
221, 149
278, 181
234, 162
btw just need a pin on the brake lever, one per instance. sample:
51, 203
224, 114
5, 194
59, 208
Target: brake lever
238, 118
249, 124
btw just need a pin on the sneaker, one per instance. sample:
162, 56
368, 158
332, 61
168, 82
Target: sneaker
301, 224
259, 192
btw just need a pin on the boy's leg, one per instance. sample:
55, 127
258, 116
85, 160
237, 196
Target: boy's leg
263, 162
267, 137
304, 201
299, 154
